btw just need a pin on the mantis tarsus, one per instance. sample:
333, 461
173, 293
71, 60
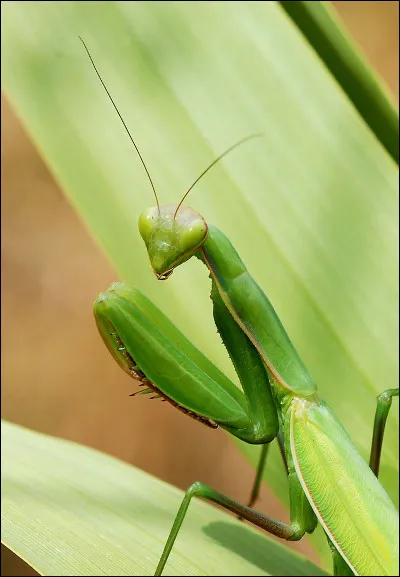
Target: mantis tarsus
329, 481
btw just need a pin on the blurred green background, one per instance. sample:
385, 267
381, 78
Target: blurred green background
53, 269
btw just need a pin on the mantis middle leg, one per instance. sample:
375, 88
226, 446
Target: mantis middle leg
302, 517
261, 467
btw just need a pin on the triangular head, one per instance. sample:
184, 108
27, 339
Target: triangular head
171, 237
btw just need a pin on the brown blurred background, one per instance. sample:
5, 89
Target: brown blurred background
51, 271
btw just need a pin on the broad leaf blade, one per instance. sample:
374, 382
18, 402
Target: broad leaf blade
70, 510
323, 30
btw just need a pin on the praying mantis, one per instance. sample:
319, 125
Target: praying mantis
329, 482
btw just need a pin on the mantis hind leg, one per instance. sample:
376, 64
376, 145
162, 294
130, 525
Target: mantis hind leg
259, 476
302, 519
382, 410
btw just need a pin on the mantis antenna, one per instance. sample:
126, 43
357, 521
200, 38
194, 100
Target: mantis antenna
212, 164
123, 122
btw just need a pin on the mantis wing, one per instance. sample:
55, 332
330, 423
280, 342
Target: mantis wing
347, 498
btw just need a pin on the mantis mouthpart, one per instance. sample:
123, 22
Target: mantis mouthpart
329, 481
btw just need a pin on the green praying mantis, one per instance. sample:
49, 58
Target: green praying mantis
329, 482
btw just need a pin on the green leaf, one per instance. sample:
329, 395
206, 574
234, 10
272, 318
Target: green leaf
312, 207
70, 510
326, 34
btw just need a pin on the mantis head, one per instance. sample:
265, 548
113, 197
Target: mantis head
171, 235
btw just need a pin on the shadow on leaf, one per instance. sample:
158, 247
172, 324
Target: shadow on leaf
259, 550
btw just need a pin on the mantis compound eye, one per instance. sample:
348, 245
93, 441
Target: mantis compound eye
147, 222
191, 234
